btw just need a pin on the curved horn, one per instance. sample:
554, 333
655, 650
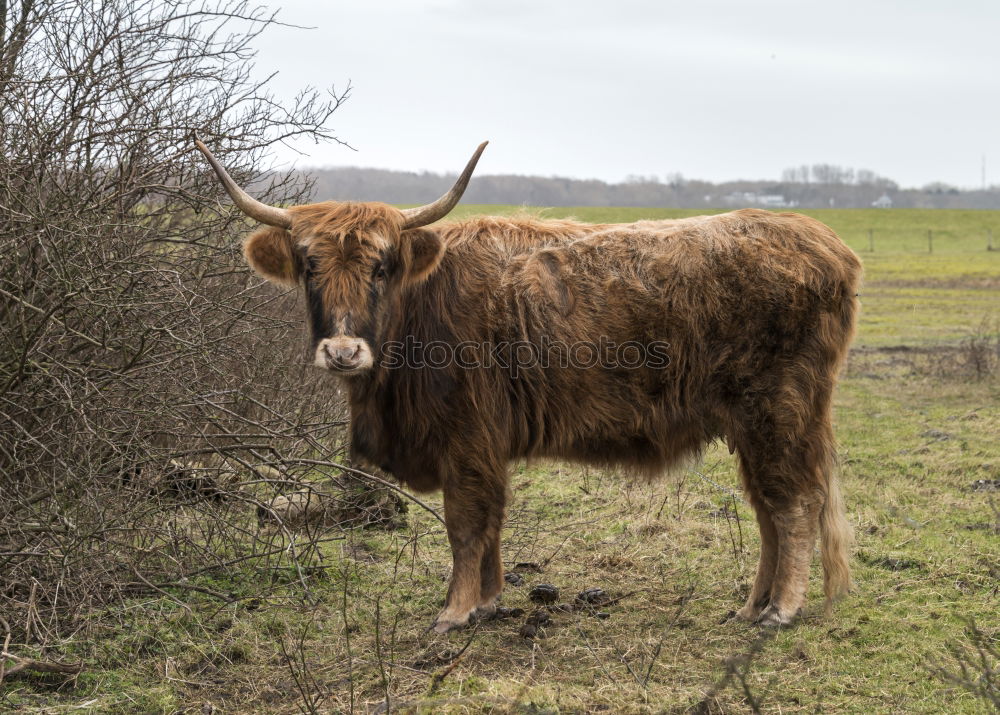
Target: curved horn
423, 215
271, 215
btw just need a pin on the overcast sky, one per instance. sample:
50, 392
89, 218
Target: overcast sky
713, 90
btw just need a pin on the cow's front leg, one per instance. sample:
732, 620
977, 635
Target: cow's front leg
490, 572
473, 513
760, 593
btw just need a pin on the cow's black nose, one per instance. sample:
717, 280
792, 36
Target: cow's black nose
343, 357
347, 354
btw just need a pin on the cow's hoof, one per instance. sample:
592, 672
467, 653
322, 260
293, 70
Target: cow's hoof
449, 620
487, 606
772, 617
440, 626
484, 612
748, 614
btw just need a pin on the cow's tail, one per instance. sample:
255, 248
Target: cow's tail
836, 538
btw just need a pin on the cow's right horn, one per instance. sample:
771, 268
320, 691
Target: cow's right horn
271, 215
423, 215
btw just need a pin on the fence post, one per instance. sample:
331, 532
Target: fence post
871, 242
989, 239
930, 242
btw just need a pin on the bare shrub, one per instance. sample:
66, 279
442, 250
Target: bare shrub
151, 392
976, 356
980, 352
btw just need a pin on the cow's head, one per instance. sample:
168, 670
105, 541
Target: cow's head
348, 257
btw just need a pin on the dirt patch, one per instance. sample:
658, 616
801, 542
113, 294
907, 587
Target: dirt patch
974, 357
957, 282
936, 435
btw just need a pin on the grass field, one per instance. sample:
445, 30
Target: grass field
918, 424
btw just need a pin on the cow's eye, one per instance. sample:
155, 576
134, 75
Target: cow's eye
379, 272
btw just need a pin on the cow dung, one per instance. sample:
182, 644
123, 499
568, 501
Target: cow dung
502, 612
593, 597
544, 593
535, 621
514, 579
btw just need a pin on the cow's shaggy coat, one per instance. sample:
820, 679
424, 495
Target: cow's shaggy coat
754, 310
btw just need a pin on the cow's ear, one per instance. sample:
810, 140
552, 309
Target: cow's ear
269, 252
420, 253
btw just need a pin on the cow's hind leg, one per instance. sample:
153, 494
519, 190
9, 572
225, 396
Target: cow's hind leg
796, 521
473, 508
784, 487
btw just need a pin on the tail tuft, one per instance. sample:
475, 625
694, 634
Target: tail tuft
836, 538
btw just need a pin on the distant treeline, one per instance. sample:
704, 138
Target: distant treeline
819, 186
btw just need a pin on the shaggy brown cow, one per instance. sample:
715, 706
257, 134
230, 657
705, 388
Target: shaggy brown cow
471, 344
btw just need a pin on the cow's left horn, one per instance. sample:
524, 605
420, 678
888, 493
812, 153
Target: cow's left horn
271, 215
423, 215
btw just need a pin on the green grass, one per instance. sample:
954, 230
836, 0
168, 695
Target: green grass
915, 431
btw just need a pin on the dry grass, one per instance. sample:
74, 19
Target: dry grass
677, 552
